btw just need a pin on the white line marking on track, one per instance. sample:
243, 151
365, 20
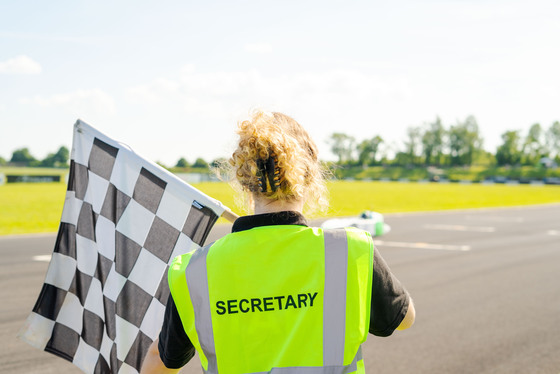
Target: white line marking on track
495, 218
43, 258
28, 236
460, 228
418, 245
553, 232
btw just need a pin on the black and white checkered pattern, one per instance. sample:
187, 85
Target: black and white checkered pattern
124, 220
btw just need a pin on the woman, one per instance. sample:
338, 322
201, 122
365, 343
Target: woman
277, 295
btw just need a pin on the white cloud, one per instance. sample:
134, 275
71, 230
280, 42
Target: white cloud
82, 101
357, 102
218, 94
155, 92
259, 48
20, 65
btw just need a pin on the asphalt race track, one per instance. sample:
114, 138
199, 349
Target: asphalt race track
486, 285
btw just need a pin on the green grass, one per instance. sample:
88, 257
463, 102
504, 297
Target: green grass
349, 198
473, 173
224, 193
34, 171
32, 208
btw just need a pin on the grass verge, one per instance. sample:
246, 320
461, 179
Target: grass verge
348, 198
34, 171
33, 208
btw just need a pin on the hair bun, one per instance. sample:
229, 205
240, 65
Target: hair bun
277, 159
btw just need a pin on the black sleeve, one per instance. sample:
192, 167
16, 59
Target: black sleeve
389, 299
175, 347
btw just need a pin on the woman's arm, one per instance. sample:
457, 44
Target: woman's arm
391, 305
409, 317
152, 363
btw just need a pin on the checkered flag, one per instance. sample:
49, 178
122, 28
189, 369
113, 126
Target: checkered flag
124, 220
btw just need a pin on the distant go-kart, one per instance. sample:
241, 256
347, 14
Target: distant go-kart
367, 220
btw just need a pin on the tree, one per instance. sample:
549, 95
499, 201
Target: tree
367, 150
464, 142
553, 140
3, 161
23, 156
200, 163
432, 142
485, 158
182, 163
413, 144
534, 146
62, 155
48, 162
216, 163
402, 159
58, 159
509, 152
457, 143
342, 146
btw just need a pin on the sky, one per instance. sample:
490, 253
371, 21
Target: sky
172, 78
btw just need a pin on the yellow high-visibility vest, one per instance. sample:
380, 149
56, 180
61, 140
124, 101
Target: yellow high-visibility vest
281, 299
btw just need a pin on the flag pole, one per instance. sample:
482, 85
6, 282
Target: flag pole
229, 215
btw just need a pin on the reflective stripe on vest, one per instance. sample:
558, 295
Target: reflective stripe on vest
196, 273
334, 309
334, 305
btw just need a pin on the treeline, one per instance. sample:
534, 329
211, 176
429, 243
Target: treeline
431, 144
23, 157
434, 144
59, 159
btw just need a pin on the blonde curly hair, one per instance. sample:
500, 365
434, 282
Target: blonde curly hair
277, 159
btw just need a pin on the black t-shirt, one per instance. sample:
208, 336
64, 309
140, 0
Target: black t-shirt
389, 300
